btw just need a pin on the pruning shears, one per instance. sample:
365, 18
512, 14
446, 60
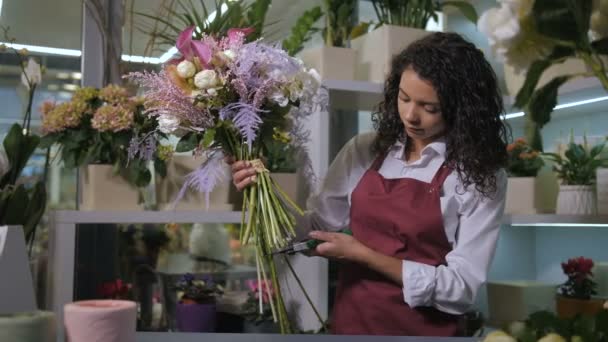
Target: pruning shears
305, 245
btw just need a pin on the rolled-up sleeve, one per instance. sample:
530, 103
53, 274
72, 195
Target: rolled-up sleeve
453, 287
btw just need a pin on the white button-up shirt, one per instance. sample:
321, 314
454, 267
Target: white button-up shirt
471, 221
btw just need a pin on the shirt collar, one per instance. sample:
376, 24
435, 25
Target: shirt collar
437, 147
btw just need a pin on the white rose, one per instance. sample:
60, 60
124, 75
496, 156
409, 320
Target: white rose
229, 55
33, 73
212, 91
599, 23
279, 98
206, 79
552, 338
499, 336
168, 123
315, 75
4, 164
186, 69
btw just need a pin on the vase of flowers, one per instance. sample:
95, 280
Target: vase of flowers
575, 295
98, 131
196, 308
257, 311
524, 164
577, 172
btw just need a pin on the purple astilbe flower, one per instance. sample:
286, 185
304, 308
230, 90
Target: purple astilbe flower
133, 149
205, 177
245, 118
148, 147
145, 147
163, 96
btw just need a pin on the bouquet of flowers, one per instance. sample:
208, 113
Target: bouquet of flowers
227, 97
580, 283
97, 126
524, 161
197, 291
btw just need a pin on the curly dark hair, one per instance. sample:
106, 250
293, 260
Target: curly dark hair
471, 106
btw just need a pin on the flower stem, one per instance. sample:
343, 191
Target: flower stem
295, 275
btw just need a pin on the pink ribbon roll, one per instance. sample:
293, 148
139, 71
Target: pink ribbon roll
100, 321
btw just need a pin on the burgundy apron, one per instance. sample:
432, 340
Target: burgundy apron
400, 218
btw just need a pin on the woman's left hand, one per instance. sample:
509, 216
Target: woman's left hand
338, 246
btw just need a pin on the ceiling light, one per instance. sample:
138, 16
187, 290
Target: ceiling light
63, 75
70, 87
76, 75
562, 106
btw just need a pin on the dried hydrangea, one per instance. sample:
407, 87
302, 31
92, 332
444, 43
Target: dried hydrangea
62, 116
112, 118
114, 94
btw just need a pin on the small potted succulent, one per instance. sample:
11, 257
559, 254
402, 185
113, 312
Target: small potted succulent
524, 164
576, 294
257, 310
196, 309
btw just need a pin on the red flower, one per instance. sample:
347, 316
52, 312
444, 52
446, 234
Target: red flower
116, 289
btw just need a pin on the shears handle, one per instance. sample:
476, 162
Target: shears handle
313, 243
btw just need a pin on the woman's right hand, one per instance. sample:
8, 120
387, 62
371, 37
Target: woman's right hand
243, 173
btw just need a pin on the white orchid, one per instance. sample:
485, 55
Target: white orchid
511, 34
32, 74
4, 163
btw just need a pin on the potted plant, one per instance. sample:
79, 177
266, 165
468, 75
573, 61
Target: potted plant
400, 22
335, 60
257, 311
98, 131
196, 308
524, 164
548, 44
577, 171
575, 295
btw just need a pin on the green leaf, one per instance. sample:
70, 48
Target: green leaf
359, 30
35, 209
544, 100
48, 140
597, 149
208, 137
15, 211
302, 30
465, 8
187, 143
160, 166
19, 148
600, 46
563, 19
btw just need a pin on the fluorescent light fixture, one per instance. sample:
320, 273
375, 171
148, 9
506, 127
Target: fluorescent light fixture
46, 50
0, 8
559, 225
53, 87
76, 75
167, 55
562, 106
141, 59
70, 87
63, 75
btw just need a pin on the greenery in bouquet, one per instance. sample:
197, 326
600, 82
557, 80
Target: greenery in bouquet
545, 326
257, 309
524, 161
579, 164
22, 202
191, 290
533, 35
580, 283
106, 126
226, 97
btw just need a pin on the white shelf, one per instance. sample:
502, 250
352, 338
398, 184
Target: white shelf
552, 220
211, 216
197, 216
354, 95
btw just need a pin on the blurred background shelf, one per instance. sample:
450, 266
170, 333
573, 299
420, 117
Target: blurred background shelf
195, 216
552, 220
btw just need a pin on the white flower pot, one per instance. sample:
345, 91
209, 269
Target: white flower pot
103, 190
334, 63
602, 191
521, 195
16, 287
576, 200
376, 49
34, 326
